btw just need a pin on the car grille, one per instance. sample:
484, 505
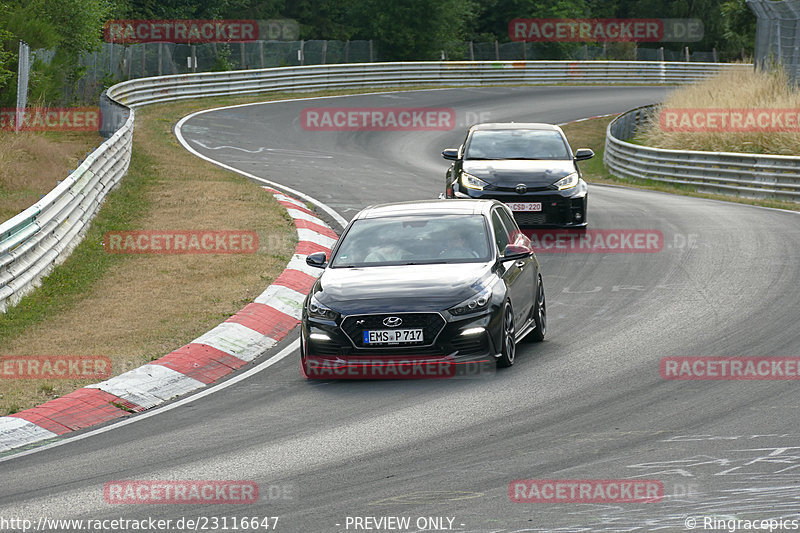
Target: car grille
470, 345
529, 189
530, 219
431, 324
324, 348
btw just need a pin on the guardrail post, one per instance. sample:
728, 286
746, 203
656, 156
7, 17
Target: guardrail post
324, 50
243, 60
496, 51
371, 58
347, 51
471, 52
261, 52
23, 73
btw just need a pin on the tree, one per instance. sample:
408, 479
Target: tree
20, 23
739, 26
411, 29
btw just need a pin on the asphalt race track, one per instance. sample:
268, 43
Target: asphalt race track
588, 403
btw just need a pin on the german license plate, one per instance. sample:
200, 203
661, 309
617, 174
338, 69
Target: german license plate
392, 336
525, 207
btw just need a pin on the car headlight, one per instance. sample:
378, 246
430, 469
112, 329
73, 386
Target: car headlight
567, 182
471, 182
474, 304
317, 310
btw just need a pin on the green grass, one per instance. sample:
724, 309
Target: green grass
89, 261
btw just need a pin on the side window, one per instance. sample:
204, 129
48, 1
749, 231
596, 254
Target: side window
500, 233
511, 226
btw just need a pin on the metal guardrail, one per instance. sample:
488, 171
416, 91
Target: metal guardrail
747, 175
42, 236
368, 75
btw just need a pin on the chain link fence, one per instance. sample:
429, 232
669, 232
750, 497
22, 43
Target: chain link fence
778, 35
533, 51
113, 63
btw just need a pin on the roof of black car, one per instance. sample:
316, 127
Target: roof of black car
515, 126
428, 207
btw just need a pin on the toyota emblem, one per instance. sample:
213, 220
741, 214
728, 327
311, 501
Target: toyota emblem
392, 321
522, 188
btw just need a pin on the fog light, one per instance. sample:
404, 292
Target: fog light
319, 337
473, 331
578, 215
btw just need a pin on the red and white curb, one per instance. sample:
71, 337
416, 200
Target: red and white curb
240, 339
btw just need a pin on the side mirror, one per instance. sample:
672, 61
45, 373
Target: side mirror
450, 154
317, 260
582, 154
515, 251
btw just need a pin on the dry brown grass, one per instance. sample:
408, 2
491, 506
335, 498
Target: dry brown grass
148, 305
32, 163
591, 134
734, 89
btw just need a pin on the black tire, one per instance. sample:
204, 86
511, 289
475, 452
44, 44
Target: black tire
508, 349
303, 361
539, 314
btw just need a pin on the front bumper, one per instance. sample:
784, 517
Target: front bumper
562, 209
447, 354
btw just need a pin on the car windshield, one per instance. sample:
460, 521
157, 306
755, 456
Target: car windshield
413, 240
516, 144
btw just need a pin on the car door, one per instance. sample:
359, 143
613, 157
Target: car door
513, 272
529, 266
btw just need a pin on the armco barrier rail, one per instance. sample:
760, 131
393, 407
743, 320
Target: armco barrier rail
747, 175
43, 235
367, 75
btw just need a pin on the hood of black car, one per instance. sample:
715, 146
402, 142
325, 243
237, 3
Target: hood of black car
382, 289
512, 172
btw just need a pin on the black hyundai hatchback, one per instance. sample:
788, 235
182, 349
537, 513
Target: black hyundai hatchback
415, 289
528, 166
